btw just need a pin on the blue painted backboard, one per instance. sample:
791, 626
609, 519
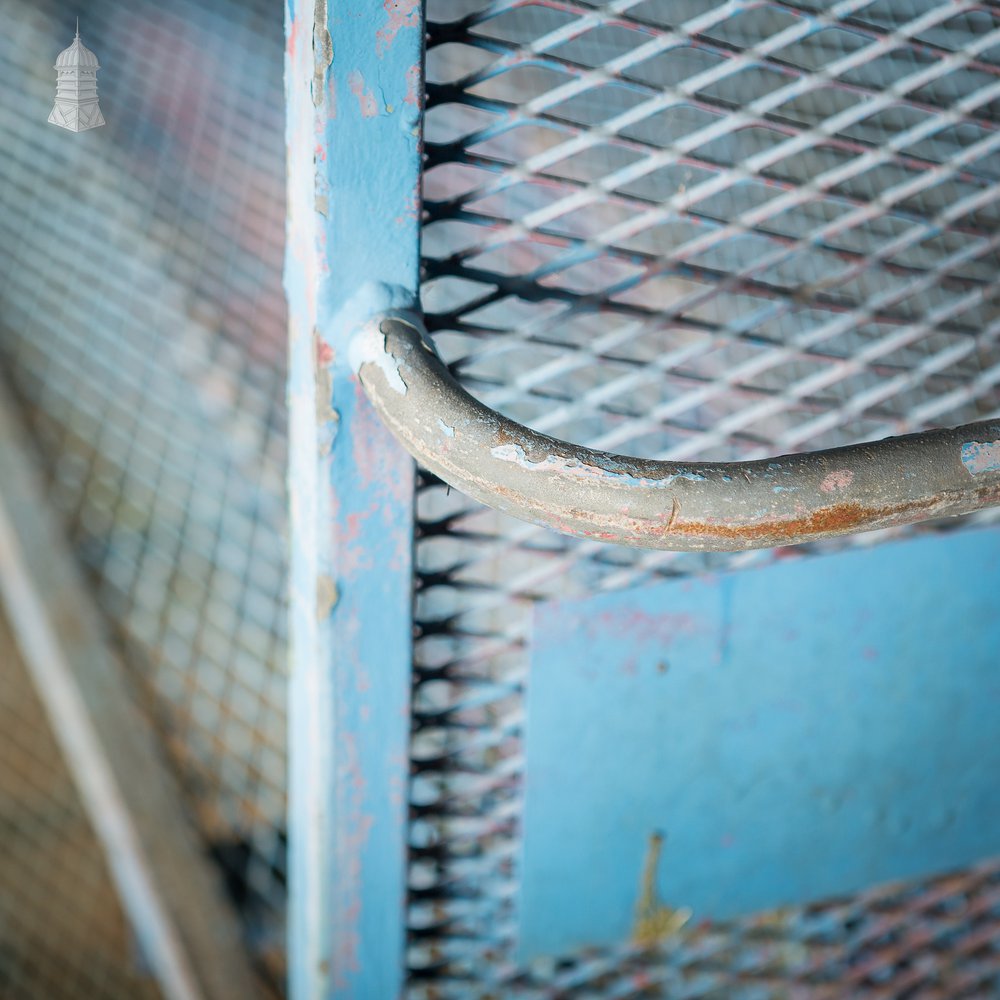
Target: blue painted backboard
795, 732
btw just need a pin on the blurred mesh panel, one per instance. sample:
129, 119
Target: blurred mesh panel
142, 331
686, 229
62, 930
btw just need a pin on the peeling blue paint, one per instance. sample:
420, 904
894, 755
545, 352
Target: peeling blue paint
981, 456
354, 156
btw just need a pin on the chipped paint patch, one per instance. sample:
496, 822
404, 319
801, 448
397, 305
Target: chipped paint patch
414, 83
412, 210
840, 479
981, 456
366, 99
399, 14
326, 597
368, 346
574, 467
445, 428
327, 418
322, 51
324, 352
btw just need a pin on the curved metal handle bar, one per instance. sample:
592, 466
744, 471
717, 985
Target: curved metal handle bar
664, 505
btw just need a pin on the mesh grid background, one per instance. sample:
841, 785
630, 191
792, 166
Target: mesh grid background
651, 226
62, 931
685, 230
142, 331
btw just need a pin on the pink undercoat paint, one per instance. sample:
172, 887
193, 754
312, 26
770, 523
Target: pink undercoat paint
413, 85
660, 629
399, 14
324, 352
841, 479
366, 99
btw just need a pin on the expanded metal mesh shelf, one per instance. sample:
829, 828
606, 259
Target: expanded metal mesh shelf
62, 930
687, 231
679, 230
142, 330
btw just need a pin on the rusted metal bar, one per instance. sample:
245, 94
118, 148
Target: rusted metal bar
656, 504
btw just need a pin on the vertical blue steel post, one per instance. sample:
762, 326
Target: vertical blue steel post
354, 94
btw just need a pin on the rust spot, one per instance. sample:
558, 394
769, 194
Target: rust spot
503, 436
837, 519
532, 453
834, 520
324, 352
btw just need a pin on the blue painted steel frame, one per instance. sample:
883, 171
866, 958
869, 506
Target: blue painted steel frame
797, 731
353, 81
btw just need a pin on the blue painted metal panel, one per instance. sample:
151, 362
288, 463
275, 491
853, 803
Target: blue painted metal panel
354, 90
800, 731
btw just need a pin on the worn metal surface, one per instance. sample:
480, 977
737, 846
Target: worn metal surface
684, 231
707, 231
933, 939
354, 98
665, 505
804, 731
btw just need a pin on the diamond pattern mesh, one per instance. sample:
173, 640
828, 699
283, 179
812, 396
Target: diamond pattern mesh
62, 931
685, 229
142, 331
937, 940
674, 229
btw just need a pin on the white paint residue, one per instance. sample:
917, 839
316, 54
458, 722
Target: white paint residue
368, 347
582, 470
367, 344
449, 431
981, 456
